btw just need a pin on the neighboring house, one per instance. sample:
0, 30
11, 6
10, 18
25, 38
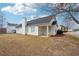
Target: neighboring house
11, 28
2, 30
75, 29
63, 28
41, 26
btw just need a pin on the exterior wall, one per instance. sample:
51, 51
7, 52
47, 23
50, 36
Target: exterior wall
10, 29
53, 30
22, 29
42, 30
19, 30
24, 22
30, 32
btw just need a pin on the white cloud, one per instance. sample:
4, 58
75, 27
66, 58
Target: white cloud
8, 8
19, 9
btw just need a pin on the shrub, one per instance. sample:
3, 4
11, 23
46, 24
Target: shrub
59, 32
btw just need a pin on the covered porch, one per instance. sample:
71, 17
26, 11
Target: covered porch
47, 30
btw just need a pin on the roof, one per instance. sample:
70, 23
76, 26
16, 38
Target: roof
19, 25
42, 20
11, 24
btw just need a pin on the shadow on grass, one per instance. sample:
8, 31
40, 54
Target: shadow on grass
58, 35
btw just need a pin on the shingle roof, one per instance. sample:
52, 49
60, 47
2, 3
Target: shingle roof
11, 24
46, 20
40, 20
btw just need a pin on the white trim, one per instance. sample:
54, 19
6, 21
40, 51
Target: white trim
47, 30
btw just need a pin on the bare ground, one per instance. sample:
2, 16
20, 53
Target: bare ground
25, 45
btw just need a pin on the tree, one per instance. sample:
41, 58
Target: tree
68, 23
71, 9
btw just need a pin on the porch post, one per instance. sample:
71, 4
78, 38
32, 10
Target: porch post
47, 30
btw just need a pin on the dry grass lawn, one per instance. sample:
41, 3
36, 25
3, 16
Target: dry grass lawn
23, 45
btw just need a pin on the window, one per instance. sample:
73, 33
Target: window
32, 29
26, 29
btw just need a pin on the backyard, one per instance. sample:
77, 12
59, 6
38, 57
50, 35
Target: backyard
26, 45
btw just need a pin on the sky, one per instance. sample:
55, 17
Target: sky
14, 12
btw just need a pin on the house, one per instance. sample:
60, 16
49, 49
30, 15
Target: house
41, 26
75, 29
64, 28
2, 30
11, 28
2, 27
